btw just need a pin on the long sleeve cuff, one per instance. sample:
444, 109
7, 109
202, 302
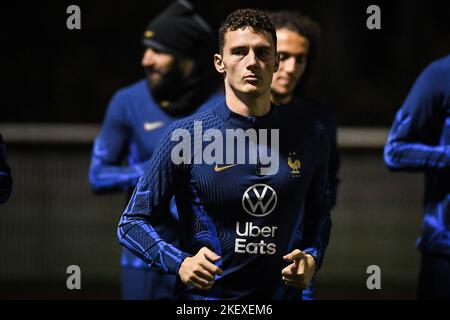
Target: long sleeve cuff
316, 255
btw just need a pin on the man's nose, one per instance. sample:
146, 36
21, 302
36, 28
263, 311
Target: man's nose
289, 65
251, 60
148, 59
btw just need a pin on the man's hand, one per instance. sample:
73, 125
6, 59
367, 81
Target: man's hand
200, 270
299, 273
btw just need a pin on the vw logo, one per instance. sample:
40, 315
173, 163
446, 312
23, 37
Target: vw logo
259, 200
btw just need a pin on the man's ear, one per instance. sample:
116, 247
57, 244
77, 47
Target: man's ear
218, 63
277, 62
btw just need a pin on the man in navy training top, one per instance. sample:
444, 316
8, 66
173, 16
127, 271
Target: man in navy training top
297, 37
5, 174
419, 141
252, 229
178, 82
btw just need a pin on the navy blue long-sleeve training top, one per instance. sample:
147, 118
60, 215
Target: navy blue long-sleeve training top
5, 174
132, 128
419, 140
249, 219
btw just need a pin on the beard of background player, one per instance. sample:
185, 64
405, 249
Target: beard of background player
164, 85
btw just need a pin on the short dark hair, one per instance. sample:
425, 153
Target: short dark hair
245, 18
299, 23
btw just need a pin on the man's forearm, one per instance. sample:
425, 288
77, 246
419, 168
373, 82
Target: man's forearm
416, 156
111, 178
138, 236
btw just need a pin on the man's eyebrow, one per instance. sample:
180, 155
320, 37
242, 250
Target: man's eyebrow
302, 54
263, 46
239, 47
259, 46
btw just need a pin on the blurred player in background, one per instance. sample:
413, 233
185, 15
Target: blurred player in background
297, 37
179, 81
250, 231
419, 141
5, 174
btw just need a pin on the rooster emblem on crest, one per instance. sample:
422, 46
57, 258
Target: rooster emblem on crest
294, 164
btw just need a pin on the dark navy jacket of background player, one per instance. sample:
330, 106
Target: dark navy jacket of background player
5, 174
210, 206
325, 115
301, 107
132, 128
419, 140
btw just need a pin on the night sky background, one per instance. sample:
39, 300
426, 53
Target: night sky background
54, 75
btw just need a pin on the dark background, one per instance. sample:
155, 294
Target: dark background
52, 74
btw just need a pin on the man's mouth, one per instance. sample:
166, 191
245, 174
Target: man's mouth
251, 77
285, 80
152, 71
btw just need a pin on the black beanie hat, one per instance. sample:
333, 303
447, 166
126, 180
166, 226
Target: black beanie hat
178, 30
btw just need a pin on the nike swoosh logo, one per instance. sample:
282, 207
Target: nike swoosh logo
149, 126
219, 169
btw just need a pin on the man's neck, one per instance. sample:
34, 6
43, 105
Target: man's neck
247, 104
281, 99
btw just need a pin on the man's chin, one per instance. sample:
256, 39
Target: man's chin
156, 88
153, 81
253, 86
253, 91
282, 90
